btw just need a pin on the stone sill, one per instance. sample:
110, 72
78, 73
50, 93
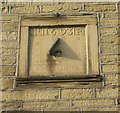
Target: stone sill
61, 1
59, 82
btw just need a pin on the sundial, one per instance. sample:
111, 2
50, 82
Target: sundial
58, 48
57, 51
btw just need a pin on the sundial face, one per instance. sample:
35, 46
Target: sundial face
57, 51
58, 47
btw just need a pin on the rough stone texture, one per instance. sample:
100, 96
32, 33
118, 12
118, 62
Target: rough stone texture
7, 44
76, 93
8, 60
82, 99
110, 15
110, 39
5, 9
11, 95
8, 68
108, 31
4, 73
39, 94
107, 92
91, 103
51, 104
10, 36
108, 22
100, 7
65, 8
10, 26
111, 79
24, 9
12, 105
6, 83
110, 59
6, 51
109, 48
10, 18
111, 68
104, 109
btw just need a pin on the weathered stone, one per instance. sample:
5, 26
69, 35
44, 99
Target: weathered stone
101, 109
110, 58
111, 79
91, 103
39, 94
10, 36
110, 15
109, 48
100, 7
7, 51
11, 95
10, 18
110, 69
108, 31
110, 39
107, 92
65, 99
7, 73
12, 105
5, 9
25, 9
50, 104
62, 8
10, 26
6, 83
109, 22
8, 60
8, 69
76, 93
7, 44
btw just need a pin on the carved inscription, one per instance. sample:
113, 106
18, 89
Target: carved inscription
71, 44
62, 8
57, 31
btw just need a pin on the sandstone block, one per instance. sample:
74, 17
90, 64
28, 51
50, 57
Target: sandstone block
111, 79
110, 39
110, 58
10, 18
107, 92
6, 83
11, 95
109, 22
39, 94
109, 48
10, 26
50, 104
7, 51
100, 7
110, 69
25, 9
4, 10
7, 44
91, 103
76, 93
108, 31
10, 36
8, 60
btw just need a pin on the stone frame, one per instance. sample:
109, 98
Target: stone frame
92, 54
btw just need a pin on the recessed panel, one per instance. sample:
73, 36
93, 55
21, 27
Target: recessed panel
57, 51
58, 48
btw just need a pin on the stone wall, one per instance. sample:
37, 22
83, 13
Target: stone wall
103, 98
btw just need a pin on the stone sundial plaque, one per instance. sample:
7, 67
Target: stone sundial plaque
68, 41
58, 47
